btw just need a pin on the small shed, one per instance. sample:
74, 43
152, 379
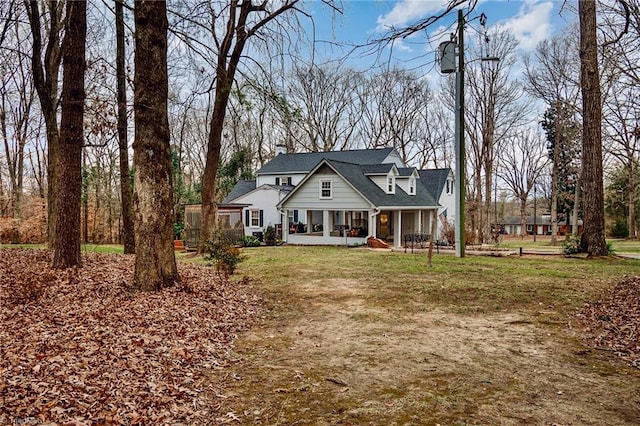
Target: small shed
229, 221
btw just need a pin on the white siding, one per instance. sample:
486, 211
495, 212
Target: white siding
395, 159
265, 199
343, 195
381, 181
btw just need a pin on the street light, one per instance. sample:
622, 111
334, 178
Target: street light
447, 51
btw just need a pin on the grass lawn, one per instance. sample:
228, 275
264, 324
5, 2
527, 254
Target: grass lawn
543, 243
353, 336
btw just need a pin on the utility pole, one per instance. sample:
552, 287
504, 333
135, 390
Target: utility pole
535, 228
460, 242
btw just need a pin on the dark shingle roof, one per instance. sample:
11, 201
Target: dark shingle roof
241, 188
434, 180
305, 162
376, 169
353, 174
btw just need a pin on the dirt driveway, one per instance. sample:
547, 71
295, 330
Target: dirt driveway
328, 353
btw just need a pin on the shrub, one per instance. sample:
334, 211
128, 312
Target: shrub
270, 236
224, 254
620, 229
249, 241
571, 246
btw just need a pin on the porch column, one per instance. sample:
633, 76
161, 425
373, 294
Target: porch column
397, 232
326, 223
373, 220
419, 220
285, 225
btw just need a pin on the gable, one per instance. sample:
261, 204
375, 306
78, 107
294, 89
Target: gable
307, 194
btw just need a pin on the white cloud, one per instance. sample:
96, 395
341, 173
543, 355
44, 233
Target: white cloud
531, 24
407, 11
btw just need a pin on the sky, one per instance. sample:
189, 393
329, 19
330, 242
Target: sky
530, 21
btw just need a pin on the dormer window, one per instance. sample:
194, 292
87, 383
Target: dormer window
391, 185
412, 186
449, 186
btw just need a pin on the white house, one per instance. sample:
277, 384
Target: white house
342, 197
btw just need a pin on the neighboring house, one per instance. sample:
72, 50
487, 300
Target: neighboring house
540, 225
342, 197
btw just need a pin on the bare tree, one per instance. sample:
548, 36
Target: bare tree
552, 74
125, 180
593, 236
326, 98
521, 164
494, 109
155, 263
45, 76
17, 108
621, 114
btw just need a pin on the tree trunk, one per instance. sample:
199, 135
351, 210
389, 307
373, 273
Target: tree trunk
523, 216
555, 171
155, 263
576, 206
125, 180
593, 236
68, 185
632, 202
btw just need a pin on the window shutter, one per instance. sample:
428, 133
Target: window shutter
261, 218
247, 218
277, 181
295, 216
289, 180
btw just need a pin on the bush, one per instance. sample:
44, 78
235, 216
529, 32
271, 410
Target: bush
249, 241
270, 236
571, 246
620, 229
224, 254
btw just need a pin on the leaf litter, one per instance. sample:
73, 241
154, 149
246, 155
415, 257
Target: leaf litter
81, 347
613, 322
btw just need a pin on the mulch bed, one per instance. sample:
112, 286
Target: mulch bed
81, 347
613, 323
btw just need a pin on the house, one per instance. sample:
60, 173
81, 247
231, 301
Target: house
540, 225
342, 197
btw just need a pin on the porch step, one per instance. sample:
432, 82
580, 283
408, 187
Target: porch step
376, 243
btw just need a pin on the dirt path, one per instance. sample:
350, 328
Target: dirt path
328, 353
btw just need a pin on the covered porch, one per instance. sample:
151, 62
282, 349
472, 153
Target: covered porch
353, 227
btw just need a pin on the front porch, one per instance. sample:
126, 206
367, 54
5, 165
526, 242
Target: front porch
353, 227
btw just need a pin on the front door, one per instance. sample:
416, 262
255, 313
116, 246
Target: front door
384, 225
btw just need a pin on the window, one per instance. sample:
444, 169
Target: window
412, 186
391, 185
283, 180
325, 189
253, 218
449, 186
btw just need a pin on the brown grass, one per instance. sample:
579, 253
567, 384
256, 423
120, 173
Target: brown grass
358, 337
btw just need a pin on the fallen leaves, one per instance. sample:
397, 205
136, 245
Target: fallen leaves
613, 323
80, 347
